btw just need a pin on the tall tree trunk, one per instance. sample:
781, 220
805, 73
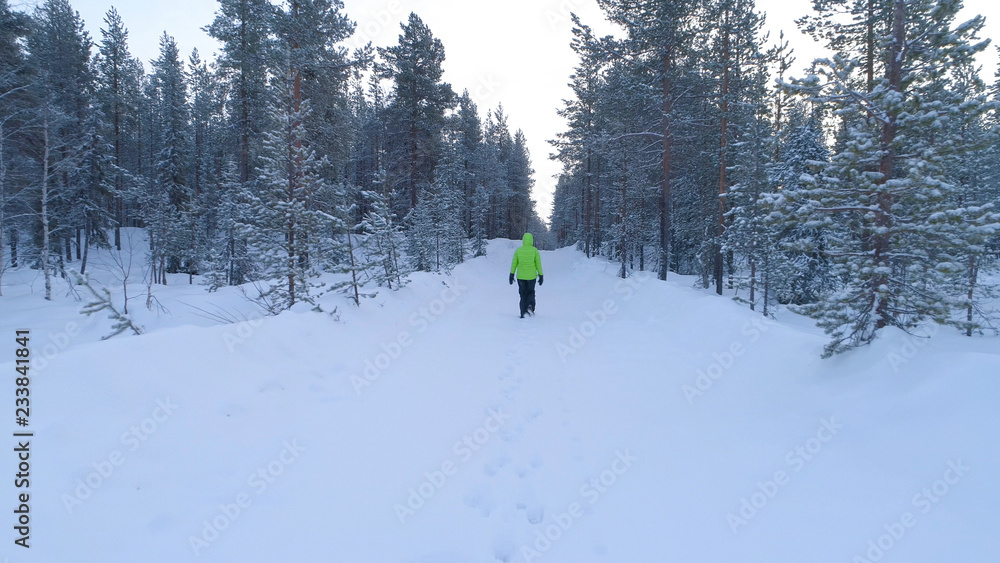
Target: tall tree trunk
3, 205
354, 271
291, 242
779, 98
881, 247
597, 210
86, 247
587, 206
149, 286
116, 122
723, 140
973, 275
767, 280
153, 259
623, 214
244, 157
199, 159
666, 109
294, 149
231, 266
138, 140
870, 46
118, 219
413, 162
45, 204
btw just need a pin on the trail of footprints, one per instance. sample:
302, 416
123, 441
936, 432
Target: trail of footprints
507, 491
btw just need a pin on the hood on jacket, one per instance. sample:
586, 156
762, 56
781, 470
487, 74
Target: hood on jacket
528, 240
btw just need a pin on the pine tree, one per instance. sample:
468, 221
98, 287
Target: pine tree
519, 178
385, 242
797, 270
469, 130
747, 235
853, 28
97, 173
285, 223
228, 254
416, 113
658, 33
244, 29
117, 77
171, 211
735, 51
59, 57
289, 222
478, 211
311, 56
578, 145
344, 247
207, 140
13, 100
890, 182
970, 131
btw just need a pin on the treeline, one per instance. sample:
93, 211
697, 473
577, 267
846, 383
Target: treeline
865, 193
287, 155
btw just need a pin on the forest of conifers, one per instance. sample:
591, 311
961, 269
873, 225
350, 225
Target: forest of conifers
861, 193
278, 160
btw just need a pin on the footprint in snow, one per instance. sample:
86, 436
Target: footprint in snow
526, 501
480, 498
512, 434
504, 548
537, 461
507, 372
536, 514
499, 462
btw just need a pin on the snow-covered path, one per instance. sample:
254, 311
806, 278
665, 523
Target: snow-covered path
627, 422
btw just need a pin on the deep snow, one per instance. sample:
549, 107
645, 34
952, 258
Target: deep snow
628, 422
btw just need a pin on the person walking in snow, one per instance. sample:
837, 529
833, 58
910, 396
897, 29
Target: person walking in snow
527, 264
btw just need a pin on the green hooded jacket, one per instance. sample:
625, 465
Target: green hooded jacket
527, 261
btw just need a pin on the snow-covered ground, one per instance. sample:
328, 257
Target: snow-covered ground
628, 422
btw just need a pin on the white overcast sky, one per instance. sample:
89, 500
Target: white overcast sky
515, 52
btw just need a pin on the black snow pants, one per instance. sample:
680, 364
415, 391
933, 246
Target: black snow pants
526, 288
